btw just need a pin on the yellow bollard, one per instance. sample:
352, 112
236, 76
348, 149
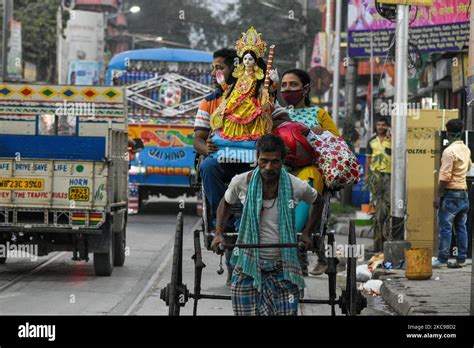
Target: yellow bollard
418, 263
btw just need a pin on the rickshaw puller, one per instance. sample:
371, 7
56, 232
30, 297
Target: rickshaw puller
267, 281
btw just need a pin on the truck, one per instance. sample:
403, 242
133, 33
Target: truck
163, 90
64, 172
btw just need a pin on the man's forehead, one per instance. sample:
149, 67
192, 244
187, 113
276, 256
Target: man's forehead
270, 155
218, 61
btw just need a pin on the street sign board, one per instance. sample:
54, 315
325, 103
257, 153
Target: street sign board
407, 2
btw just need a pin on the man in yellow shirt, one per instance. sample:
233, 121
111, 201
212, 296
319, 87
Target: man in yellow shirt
379, 162
452, 200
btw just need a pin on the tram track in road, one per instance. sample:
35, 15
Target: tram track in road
33, 271
152, 276
53, 285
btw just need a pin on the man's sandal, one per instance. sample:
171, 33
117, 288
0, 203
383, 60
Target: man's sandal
454, 264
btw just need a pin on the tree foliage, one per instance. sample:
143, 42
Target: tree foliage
39, 34
214, 24
206, 25
186, 22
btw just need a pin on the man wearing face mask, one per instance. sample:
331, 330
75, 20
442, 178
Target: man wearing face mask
452, 200
215, 175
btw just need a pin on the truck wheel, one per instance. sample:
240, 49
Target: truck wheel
142, 196
3, 258
104, 262
119, 247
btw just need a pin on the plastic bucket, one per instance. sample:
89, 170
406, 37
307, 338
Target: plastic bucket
418, 263
359, 195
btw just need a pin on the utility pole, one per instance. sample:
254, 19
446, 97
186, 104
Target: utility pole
7, 16
350, 107
328, 39
303, 60
351, 86
337, 60
471, 76
399, 124
59, 50
371, 121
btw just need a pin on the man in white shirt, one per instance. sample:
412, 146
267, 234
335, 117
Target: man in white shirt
267, 281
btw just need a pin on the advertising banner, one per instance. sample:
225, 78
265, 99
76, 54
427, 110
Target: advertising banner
442, 27
84, 73
15, 64
470, 79
85, 35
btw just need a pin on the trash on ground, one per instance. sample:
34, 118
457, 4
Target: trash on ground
377, 257
363, 273
373, 286
387, 265
376, 261
376, 264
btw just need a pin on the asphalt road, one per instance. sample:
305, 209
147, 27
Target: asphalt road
56, 285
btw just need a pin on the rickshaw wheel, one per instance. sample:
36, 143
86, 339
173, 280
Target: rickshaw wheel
206, 221
198, 267
353, 300
176, 295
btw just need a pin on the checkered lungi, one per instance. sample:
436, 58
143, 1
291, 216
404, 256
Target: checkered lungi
278, 296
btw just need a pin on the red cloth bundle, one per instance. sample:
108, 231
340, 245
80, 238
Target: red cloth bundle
335, 160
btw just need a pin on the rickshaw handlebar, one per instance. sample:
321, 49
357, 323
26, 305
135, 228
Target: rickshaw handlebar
222, 247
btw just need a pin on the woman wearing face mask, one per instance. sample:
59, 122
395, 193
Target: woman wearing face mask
295, 90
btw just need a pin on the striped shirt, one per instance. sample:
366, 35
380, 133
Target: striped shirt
209, 104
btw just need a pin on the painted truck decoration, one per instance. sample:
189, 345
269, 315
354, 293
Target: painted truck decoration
63, 171
168, 156
163, 89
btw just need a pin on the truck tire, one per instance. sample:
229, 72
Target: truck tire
119, 247
104, 262
3, 259
142, 196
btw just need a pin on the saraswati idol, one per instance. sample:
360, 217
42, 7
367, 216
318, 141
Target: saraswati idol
245, 111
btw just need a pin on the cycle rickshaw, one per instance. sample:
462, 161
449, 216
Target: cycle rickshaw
176, 294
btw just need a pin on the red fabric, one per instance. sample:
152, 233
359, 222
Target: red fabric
335, 160
300, 151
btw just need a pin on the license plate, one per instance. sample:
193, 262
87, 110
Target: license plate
15, 184
80, 194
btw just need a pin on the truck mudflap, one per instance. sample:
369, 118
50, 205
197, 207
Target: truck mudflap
51, 219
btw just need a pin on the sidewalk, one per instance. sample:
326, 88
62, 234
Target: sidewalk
448, 292
317, 287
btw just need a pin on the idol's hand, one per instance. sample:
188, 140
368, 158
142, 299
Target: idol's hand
274, 75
